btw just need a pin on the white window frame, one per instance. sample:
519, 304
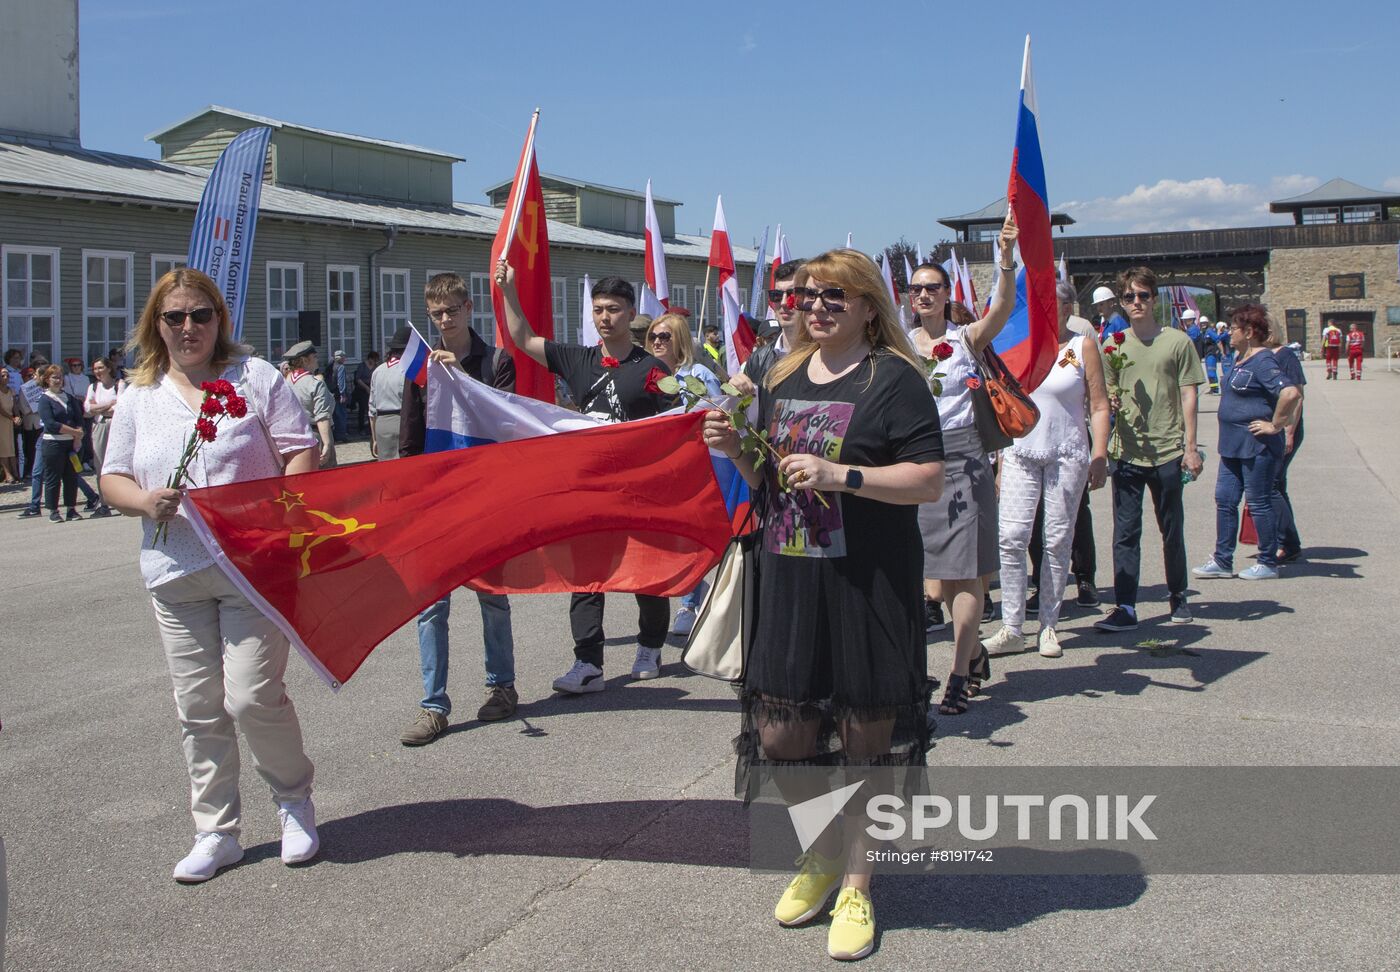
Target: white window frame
106, 311
28, 311
391, 321
699, 303
483, 320
283, 313
678, 296
1367, 213
1321, 215
559, 293
342, 326
175, 260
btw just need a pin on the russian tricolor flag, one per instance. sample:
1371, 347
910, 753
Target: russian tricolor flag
1030, 340
415, 358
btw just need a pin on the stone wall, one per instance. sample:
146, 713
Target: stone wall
1296, 279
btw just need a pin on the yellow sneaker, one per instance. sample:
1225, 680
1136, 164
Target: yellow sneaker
806, 896
852, 934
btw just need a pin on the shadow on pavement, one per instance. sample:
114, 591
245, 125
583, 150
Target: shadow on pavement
996, 903
709, 833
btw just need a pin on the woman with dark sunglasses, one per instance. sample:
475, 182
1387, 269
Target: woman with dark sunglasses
960, 531
226, 659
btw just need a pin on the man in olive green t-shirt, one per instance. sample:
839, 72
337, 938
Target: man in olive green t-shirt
1153, 396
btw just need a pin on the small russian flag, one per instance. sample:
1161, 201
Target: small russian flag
415, 358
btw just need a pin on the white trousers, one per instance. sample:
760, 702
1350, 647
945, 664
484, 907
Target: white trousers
1023, 483
227, 662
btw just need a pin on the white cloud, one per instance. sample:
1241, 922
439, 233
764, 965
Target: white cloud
749, 44
1392, 184
1171, 204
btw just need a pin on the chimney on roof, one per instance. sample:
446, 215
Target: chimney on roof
39, 71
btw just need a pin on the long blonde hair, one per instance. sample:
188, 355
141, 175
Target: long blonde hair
149, 347
857, 274
682, 344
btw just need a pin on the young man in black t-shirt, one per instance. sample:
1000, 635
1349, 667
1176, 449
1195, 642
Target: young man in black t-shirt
610, 381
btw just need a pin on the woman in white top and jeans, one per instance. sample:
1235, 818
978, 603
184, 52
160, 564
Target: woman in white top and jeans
226, 659
1053, 460
960, 530
98, 405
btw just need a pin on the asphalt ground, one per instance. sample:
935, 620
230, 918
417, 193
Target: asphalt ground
600, 831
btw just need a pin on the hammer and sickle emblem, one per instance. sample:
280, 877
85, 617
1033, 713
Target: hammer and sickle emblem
309, 540
531, 218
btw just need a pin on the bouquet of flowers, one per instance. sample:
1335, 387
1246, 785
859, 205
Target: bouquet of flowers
753, 443
220, 399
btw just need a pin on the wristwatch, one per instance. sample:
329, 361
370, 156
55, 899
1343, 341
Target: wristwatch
855, 479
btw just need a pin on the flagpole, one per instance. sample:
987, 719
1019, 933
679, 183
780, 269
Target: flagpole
704, 298
519, 190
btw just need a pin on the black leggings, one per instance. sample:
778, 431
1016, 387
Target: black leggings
58, 466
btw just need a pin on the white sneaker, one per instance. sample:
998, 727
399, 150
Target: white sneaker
1005, 642
648, 663
583, 677
685, 620
1049, 643
299, 839
212, 853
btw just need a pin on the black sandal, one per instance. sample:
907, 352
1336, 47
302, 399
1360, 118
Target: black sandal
979, 671
954, 696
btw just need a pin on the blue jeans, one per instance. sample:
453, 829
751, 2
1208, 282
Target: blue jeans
1254, 480
695, 598
36, 479
432, 647
1288, 539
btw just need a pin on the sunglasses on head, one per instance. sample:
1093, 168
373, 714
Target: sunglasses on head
928, 288
200, 315
832, 298
1133, 296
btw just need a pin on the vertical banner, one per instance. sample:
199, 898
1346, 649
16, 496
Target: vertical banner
524, 242
758, 293
587, 331
221, 242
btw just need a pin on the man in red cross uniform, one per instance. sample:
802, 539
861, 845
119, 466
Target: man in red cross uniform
1356, 347
1331, 348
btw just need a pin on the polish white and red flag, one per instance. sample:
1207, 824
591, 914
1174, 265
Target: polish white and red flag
739, 338
656, 292
887, 272
780, 256
970, 287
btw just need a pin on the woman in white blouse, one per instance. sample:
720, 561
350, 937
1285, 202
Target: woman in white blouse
227, 660
98, 404
1051, 463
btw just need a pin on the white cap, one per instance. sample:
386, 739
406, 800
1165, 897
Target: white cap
1188, 315
1204, 319
1101, 294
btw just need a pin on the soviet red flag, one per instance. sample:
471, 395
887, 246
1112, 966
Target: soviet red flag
528, 253
340, 559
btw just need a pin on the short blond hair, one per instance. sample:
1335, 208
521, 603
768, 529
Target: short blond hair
682, 343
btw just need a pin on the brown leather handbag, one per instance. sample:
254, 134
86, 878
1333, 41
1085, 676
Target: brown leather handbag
1012, 408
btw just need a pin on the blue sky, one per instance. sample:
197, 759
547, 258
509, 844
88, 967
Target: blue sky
827, 117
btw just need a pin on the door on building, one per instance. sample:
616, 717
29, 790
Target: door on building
1367, 320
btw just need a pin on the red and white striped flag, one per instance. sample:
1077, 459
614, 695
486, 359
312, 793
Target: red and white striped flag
969, 287
780, 256
656, 292
739, 338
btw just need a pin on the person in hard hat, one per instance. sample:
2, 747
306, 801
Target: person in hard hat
1208, 346
1106, 316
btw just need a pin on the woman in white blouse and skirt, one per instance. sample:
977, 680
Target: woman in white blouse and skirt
960, 530
227, 660
1052, 461
98, 406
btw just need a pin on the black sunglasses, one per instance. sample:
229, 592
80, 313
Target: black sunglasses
776, 296
664, 336
833, 298
1133, 296
200, 315
930, 288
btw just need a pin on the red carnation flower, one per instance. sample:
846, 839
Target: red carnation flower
1119, 337
236, 407
209, 387
610, 362
973, 382
942, 351
211, 407
205, 429
223, 388
651, 386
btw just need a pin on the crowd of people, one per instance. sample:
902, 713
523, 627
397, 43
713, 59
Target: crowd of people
895, 506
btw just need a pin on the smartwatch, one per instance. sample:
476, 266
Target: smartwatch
854, 479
